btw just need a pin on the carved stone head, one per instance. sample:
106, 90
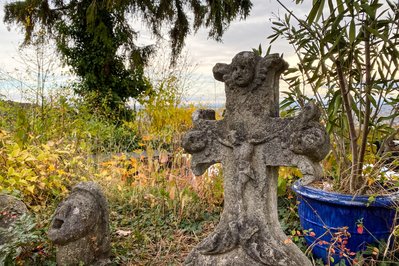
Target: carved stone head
243, 69
80, 226
240, 73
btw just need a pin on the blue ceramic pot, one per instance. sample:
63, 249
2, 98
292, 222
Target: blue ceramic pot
343, 224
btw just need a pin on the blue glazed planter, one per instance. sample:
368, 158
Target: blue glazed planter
331, 216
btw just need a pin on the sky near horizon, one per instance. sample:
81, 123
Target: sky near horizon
202, 52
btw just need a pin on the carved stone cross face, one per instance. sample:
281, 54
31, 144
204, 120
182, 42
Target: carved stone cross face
250, 142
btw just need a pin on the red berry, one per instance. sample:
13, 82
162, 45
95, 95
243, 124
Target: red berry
360, 229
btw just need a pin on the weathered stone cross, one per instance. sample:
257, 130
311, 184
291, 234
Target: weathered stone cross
251, 142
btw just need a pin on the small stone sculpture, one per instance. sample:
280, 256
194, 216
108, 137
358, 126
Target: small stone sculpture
80, 227
11, 209
251, 142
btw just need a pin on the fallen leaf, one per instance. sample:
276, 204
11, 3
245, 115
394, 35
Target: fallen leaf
123, 233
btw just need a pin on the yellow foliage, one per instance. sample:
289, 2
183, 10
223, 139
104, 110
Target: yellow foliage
289, 172
37, 172
147, 138
179, 187
163, 118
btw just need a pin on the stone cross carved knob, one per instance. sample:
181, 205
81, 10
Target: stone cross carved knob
251, 141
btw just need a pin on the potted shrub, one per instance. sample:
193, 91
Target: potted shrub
348, 53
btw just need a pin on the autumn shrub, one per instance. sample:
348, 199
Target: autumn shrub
41, 173
163, 118
67, 119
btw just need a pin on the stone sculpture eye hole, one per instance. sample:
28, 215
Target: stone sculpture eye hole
57, 223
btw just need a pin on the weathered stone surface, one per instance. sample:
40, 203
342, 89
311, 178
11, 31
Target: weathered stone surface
251, 142
80, 227
11, 209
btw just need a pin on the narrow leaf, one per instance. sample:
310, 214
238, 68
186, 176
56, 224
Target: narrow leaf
340, 6
377, 34
352, 31
313, 12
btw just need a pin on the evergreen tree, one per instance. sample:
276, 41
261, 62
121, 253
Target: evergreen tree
96, 40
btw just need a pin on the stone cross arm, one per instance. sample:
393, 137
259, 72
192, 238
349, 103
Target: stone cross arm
300, 141
202, 141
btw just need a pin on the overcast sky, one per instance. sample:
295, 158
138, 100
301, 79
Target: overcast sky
201, 51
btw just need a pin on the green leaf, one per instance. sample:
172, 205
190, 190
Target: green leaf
371, 10
377, 34
313, 13
336, 42
371, 199
278, 23
373, 101
281, 186
352, 31
268, 50
320, 12
340, 6
354, 107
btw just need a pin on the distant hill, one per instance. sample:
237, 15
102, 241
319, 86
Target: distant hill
18, 104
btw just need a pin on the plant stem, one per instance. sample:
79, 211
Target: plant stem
352, 131
367, 111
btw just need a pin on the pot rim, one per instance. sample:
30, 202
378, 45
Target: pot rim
386, 201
